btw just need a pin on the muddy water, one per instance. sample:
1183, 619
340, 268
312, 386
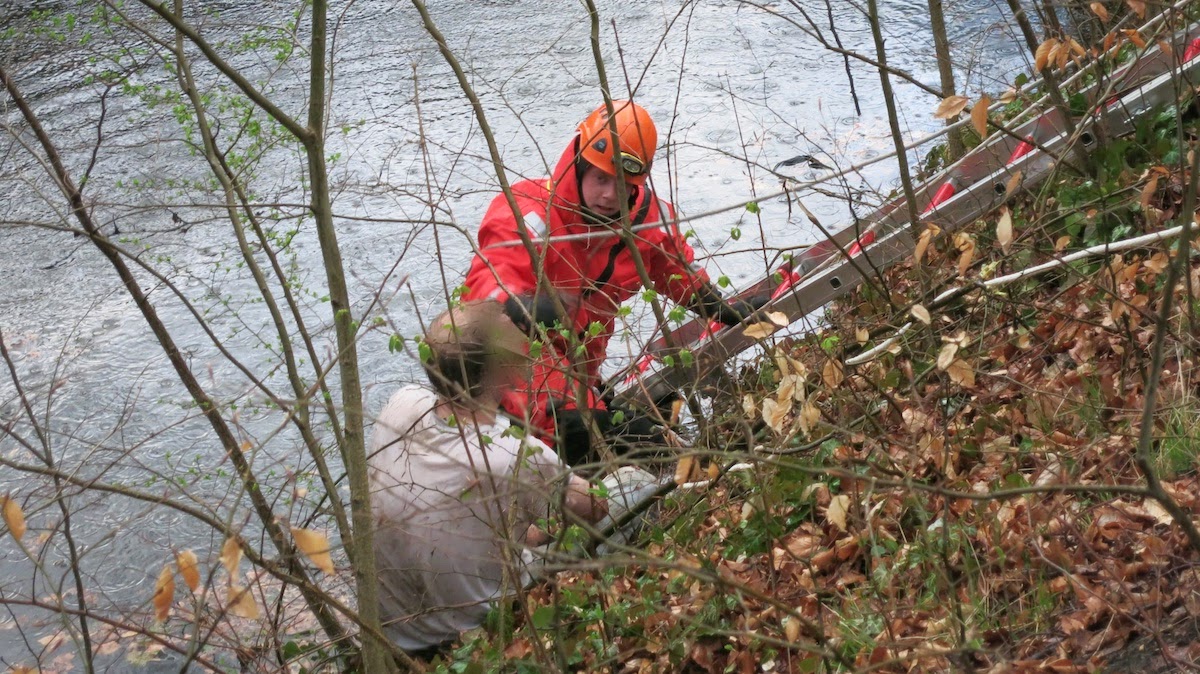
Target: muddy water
734, 89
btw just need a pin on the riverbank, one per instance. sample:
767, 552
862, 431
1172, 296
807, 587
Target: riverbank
987, 492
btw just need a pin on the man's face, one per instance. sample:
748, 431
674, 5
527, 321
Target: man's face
600, 192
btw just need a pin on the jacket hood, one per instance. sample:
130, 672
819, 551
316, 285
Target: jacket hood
565, 197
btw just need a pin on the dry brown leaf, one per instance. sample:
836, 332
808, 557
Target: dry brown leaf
838, 508
1061, 243
951, 107
231, 557
315, 546
1013, 182
791, 629
686, 469
961, 373
810, 414
920, 313
164, 593
714, 470
923, 243
748, 406
1041, 58
1004, 230
946, 355
1110, 40
1166, 48
832, 374
14, 517
1135, 37
1148, 191
1099, 10
1009, 95
241, 603
762, 329
1157, 511
1138, 7
1061, 53
774, 414
53, 642
966, 244
188, 568
979, 115
862, 336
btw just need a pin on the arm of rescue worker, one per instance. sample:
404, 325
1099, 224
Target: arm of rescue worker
502, 268
671, 269
708, 303
689, 286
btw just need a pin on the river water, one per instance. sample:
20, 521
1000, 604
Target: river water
735, 89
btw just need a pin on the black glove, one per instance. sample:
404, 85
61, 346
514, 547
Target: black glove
540, 306
708, 302
574, 442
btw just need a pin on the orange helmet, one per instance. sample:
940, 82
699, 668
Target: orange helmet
636, 136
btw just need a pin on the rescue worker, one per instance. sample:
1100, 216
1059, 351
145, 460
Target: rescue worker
585, 279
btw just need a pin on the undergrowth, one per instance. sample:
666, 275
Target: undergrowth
968, 499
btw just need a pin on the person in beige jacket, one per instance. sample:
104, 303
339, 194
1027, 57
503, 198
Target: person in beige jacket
460, 496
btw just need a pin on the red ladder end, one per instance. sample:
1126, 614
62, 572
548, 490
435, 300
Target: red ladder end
1192, 51
1021, 150
944, 192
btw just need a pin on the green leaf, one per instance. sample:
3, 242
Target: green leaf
396, 343
685, 357
618, 417
723, 281
649, 295
595, 328
535, 349
752, 206
543, 617
735, 233
425, 352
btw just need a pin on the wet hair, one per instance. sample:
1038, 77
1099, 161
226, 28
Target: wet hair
472, 348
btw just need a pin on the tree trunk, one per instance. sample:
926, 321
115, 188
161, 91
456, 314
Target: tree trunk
941, 47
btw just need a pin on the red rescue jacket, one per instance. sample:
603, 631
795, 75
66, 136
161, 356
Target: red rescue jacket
593, 275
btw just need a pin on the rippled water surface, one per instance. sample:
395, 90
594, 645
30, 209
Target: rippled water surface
735, 89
